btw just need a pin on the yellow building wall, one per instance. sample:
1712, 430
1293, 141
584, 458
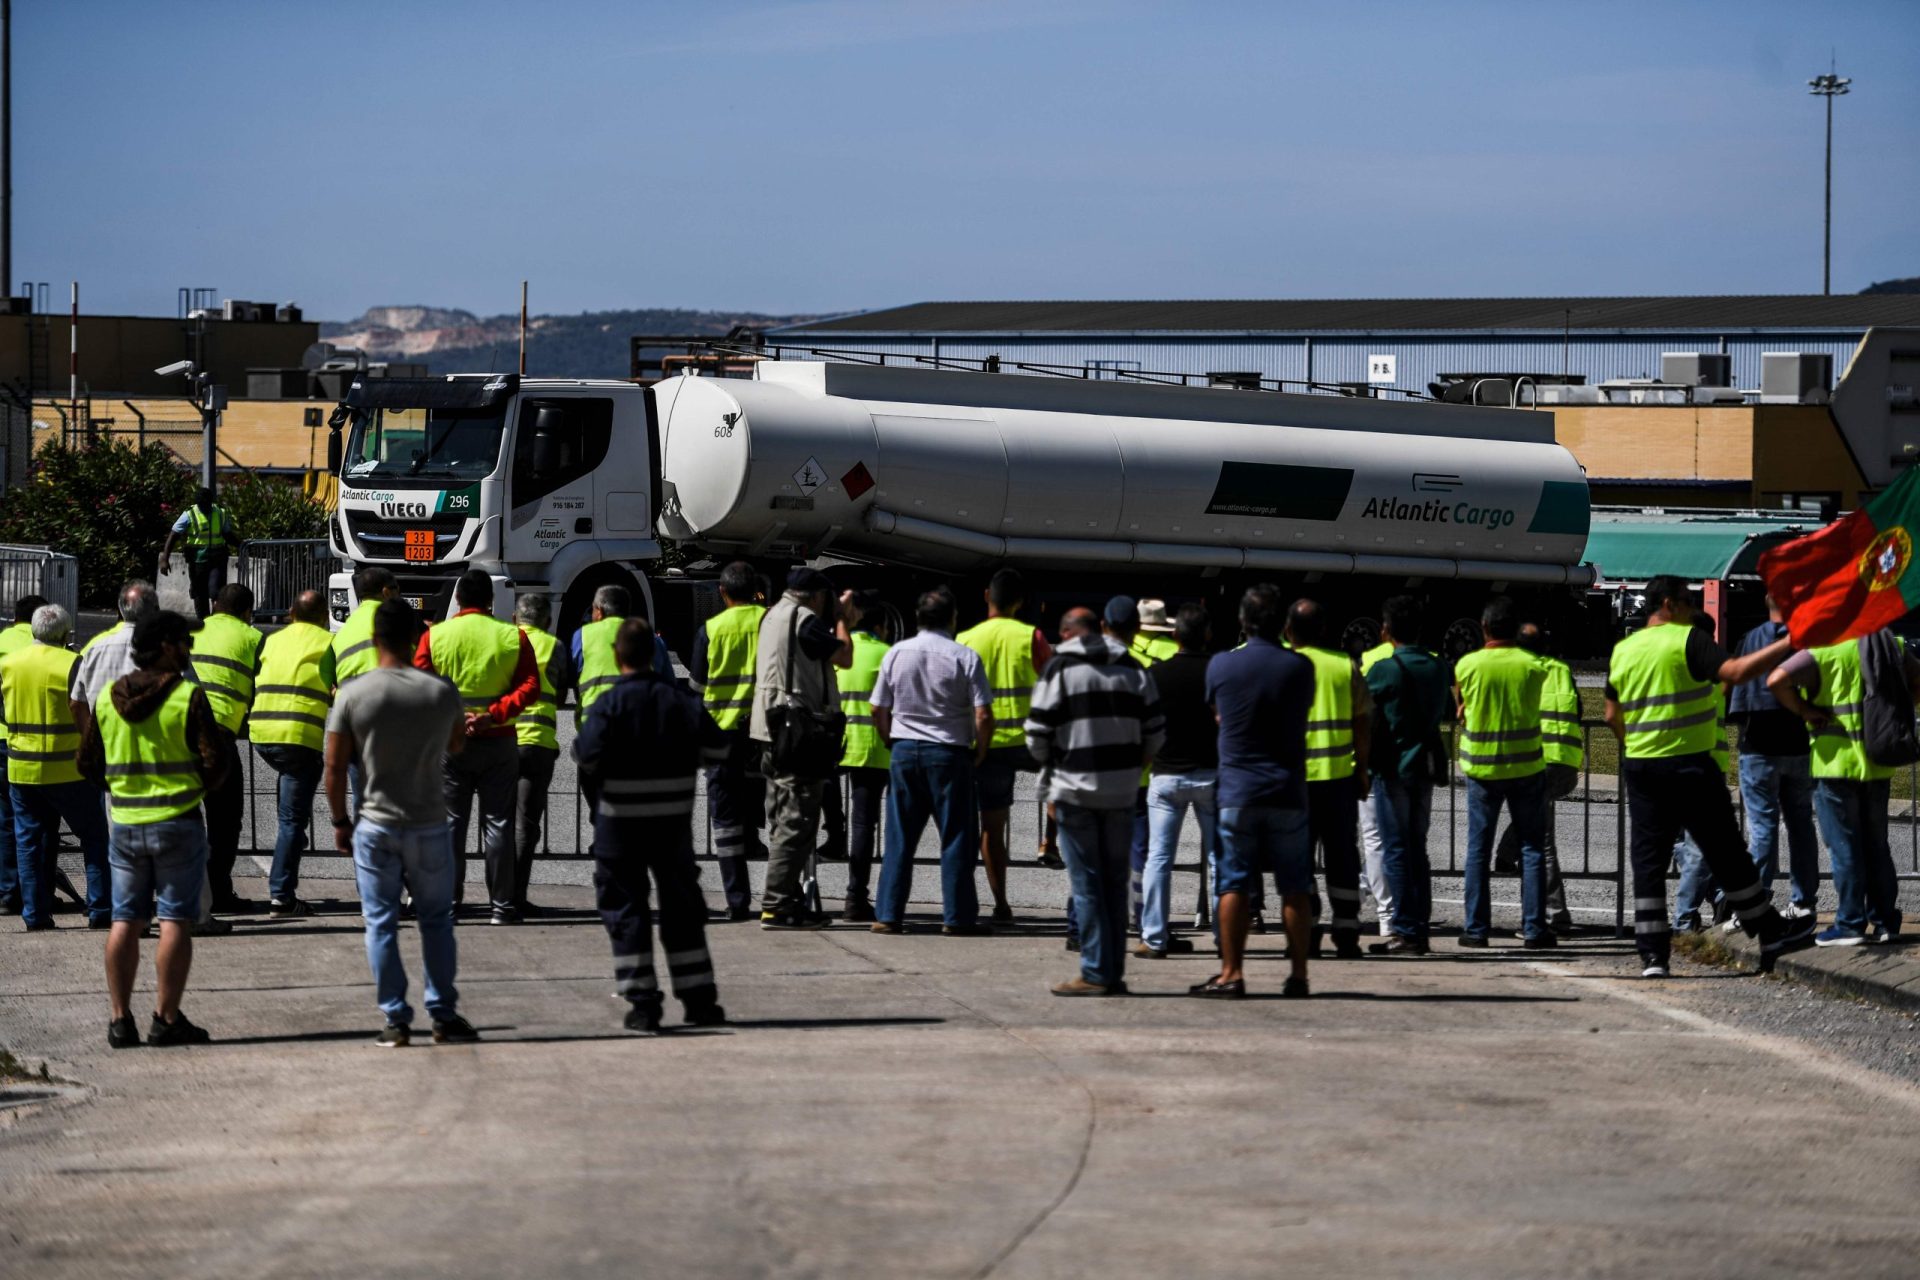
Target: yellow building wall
257, 434
1771, 449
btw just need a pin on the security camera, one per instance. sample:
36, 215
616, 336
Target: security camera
178, 366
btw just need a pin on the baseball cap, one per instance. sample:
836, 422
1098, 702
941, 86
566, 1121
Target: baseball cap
1123, 614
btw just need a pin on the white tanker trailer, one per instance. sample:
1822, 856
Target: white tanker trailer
557, 486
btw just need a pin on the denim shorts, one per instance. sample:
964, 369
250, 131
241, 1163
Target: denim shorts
993, 778
157, 868
1257, 839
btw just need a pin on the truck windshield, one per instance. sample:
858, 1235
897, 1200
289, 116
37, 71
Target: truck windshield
393, 446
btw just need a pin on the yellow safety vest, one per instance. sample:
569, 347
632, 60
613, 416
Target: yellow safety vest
1373, 655
13, 640
866, 749
1148, 648
599, 669
205, 529
479, 653
45, 742
1330, 720
1666, 711
539, 724
1005, 646
1561, 741
225, 653
1838, 751
152, 774
733, 647
291, 700
1500, 721
353, 653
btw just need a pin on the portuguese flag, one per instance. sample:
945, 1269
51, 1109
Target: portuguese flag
1853, 577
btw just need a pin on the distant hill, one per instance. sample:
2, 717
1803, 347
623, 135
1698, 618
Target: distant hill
1910, 284
592, 344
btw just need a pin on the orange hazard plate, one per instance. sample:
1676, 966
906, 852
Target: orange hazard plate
419, 544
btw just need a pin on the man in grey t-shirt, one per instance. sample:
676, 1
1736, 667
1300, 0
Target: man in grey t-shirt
398, 723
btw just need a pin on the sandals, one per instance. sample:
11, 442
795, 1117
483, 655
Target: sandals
1214, 989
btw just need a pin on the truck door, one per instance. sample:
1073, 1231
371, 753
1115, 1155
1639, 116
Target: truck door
559, 442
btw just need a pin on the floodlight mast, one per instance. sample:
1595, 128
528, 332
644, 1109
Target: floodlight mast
1828, 86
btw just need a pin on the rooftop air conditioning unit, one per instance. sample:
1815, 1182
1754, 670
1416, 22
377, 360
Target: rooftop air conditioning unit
1795, 377
1697, 368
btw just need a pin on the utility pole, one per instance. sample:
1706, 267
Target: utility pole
6, 145
523, 328
1828, 86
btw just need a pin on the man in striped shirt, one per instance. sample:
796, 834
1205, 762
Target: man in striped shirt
641, 743
1095, 723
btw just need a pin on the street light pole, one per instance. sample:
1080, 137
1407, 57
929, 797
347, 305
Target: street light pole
1829, 86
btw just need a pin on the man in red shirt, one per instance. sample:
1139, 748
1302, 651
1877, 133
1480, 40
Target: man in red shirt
493, 666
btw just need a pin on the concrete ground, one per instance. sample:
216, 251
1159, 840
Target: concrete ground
922, 1106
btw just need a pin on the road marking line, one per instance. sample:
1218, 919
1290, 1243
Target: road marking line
1809, 1057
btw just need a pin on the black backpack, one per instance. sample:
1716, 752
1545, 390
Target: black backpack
1887, 732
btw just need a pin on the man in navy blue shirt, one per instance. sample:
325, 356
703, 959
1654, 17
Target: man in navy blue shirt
1260, 694
641, 744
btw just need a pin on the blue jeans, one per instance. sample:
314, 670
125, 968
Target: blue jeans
1401, 812
1169, 796
1526, 801
1696, 884
158, 868
930, 781
424, 854
1096, 845
1777, 790
1853, 818
300, 769
37, 813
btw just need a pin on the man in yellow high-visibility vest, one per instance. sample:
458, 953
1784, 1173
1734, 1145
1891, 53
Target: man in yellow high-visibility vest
226, 657
722, 664
538, 733
210, 535
1013, 653
151, 740
289, 728
12, 640
1339, 745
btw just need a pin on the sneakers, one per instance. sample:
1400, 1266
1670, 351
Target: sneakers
1839, 936
1399, 945
123, 1033
1144, 952
858, 912
454, 1029
504, 916
1468, 940
706, 1015
1793, 935
1796, 911
793, 920
289, 908
1654, 969
1730, 925
393, 1036
166, 1035
1257, 923
643, 1020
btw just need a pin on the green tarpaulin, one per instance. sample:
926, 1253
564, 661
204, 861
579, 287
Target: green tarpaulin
1634, 550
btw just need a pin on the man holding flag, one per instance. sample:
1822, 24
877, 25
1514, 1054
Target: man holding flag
1663, 704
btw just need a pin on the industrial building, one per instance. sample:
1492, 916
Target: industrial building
1710, 401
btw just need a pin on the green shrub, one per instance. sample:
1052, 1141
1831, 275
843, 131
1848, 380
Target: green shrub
108, 505
263, 508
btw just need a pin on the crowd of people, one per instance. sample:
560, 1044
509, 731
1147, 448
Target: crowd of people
1279, 748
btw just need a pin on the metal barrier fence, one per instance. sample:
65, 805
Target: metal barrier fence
279, 569
30, 571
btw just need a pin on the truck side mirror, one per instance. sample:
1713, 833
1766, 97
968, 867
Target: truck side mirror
333, 452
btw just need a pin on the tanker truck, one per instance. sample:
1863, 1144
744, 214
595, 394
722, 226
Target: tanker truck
899, 477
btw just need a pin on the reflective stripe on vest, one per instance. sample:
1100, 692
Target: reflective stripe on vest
205, 528
1005, 646
353, 644
44, 742
865, 748
1330, 719
645, 798
1560, 734
1500, 694
733, 646
599, 669
1837, 748
225, 652
152, 774
1665, 711
538, 725
479, 653
290, 702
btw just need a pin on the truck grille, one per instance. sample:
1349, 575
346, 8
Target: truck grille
387, 539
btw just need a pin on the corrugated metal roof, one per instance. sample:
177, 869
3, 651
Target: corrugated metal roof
1780, 311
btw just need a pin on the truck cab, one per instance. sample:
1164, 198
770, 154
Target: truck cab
548, 485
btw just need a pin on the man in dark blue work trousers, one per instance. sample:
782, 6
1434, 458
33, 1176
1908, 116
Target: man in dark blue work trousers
641, 745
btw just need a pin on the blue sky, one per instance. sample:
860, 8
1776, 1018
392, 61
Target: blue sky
834, 155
